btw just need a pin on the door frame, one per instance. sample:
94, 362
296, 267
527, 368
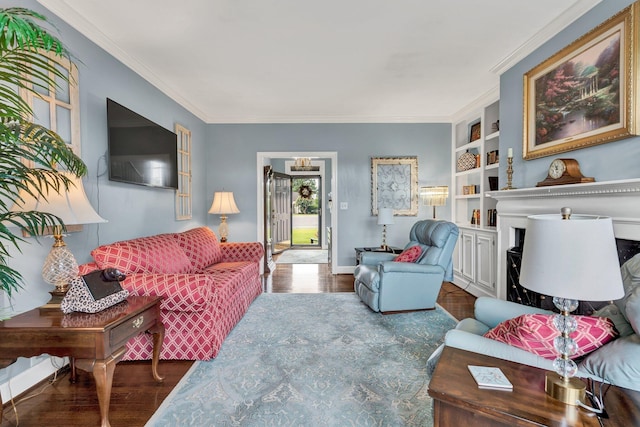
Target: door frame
263, 157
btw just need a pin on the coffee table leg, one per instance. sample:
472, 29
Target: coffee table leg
103, 375
158, 337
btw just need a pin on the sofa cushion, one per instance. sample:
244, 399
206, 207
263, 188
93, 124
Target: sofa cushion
201, 247
617, 362
630, 304
154, 254
411, 254
535, 333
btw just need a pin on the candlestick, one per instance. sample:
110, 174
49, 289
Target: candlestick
509, 173
510, 152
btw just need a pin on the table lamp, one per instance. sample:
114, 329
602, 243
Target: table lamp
73, 208
385, 217
223, 204
571, 258
434, 196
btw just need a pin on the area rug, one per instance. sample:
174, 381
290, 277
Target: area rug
313, 360
302, 256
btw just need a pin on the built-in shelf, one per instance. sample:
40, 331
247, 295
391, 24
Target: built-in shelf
492, 136
492, 166
470, 146
469, 172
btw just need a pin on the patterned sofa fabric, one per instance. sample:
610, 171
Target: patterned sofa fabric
206, 287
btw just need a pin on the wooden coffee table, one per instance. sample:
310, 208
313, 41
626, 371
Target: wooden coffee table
457, 400
94, 342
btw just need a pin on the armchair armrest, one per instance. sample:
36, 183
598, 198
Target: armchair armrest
180, 292
478, 344
492, 311
373, 258
410, 267
242, 251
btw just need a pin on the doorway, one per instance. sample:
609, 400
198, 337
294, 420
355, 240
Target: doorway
327, 186
306, 215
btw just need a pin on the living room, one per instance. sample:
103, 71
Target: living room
224, 156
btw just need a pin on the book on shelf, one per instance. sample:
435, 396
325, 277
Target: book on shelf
490, 377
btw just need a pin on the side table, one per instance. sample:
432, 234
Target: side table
94, 342
390, 249
457, 400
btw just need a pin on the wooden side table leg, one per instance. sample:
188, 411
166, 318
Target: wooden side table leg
158, 337
103, 375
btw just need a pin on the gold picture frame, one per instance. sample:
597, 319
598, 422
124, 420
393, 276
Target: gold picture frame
585, 94
394, 184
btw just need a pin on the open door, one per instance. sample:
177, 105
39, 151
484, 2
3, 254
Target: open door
280, 212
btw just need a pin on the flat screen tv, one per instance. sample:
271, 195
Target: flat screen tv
140, 151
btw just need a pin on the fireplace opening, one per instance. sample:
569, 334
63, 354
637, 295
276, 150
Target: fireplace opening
517, 293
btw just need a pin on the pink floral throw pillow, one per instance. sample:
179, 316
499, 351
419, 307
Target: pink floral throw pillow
409, 255
535, 333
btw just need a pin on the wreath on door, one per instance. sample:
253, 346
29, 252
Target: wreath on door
305, 191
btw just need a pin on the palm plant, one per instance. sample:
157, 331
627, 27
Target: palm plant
30, 155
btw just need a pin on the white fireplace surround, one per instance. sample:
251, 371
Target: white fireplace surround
618, 199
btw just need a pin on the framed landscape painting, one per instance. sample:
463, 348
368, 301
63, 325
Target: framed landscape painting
585, 94
394, 184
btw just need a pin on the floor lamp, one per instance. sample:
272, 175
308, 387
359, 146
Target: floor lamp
434, 196
572, 258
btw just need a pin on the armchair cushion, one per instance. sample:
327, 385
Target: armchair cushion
536, 333
411, 254
617, 362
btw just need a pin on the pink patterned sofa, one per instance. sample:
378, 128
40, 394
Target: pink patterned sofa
207, 287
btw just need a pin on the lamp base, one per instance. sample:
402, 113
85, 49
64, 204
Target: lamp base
569, 391
54, 302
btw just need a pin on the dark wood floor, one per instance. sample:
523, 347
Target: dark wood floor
135, 396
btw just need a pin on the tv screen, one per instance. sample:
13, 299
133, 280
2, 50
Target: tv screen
140, 151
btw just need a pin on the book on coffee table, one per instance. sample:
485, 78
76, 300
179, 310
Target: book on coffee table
490, 377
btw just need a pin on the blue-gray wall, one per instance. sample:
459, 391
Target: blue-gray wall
612, 161
224, 156
232, 165
130, 209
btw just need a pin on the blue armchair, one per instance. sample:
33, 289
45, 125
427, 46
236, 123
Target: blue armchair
385, 285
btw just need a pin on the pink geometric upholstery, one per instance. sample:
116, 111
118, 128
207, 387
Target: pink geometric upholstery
201, 247
155, 254
535, 333
201, 302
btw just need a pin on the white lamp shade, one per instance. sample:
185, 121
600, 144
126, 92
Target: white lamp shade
571, 258
223, 203
385, 216
71, 206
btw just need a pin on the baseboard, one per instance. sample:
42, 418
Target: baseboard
26, 373
344, 269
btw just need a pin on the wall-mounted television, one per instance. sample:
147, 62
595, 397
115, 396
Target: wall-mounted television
140, 151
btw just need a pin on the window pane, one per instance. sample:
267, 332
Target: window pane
62, 92
63, 123
41, 112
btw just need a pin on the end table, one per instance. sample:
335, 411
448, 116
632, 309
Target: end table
457, 400
93, 342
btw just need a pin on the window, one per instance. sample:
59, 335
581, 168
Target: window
183, 195
57, 107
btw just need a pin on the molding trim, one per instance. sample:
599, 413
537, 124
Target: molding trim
621, 187
566, 18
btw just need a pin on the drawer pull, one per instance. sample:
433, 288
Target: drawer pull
138, 322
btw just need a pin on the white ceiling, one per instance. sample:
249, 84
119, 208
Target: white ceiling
303, 61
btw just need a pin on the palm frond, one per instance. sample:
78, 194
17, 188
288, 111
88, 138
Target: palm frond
25, 64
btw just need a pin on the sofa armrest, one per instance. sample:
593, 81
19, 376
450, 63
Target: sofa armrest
242, 251
492, 311
180, 292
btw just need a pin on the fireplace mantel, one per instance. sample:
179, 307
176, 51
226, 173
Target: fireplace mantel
618, 199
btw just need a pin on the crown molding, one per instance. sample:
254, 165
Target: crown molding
471, 110
563, 20
73, 18
325, 119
